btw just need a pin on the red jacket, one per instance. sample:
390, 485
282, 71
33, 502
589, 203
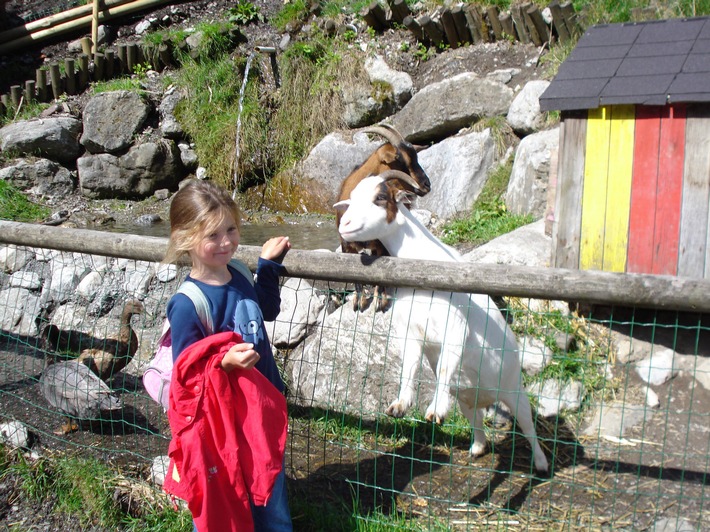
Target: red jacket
228, 436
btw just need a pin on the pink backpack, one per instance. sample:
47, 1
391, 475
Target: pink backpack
156, 377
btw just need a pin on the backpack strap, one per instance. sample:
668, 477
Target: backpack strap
243, 269
198, 299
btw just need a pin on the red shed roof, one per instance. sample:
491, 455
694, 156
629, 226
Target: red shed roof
647, 63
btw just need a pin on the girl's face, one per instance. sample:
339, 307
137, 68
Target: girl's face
216, 248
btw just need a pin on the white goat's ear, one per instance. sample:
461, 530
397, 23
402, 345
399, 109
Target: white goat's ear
342, 205
405, 196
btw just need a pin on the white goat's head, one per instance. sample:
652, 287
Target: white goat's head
372, 209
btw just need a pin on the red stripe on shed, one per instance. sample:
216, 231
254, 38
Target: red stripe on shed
643, 190
670, 190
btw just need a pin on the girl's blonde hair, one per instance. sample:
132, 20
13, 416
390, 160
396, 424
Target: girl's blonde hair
195, 211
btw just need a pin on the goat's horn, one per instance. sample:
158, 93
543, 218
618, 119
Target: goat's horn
386, 131
402, 176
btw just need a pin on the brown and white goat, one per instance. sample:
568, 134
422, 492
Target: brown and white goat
465, 338
395, 154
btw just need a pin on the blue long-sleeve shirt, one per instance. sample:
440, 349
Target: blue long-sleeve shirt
236, 306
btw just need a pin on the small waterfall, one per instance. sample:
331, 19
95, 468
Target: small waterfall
242, 90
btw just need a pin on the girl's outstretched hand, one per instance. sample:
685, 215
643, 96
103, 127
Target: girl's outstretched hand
240, 356
275, 249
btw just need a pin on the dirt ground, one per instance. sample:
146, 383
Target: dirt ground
658, 471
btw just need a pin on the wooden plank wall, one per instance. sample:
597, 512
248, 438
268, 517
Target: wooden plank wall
633, 191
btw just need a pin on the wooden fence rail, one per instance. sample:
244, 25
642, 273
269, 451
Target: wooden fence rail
640, 290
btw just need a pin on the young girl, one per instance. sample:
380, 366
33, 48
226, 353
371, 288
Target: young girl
205, 224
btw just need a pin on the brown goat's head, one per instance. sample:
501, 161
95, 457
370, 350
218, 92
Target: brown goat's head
400, 155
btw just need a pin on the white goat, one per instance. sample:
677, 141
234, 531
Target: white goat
465, 337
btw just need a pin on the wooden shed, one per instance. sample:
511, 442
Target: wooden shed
633, 173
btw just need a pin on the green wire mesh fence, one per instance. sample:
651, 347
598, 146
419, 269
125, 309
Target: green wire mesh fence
621, 400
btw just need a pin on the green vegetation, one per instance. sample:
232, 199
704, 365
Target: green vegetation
244, 13
90, 492
489, 217
15, 206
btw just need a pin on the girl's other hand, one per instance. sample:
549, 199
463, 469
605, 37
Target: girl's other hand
240, 356
275, 249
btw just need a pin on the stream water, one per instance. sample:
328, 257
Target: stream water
309, 236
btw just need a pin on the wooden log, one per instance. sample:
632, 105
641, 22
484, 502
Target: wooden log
400, 10
433, 30
535, 37
165, 53
521, 31
535, 17
641, 290
105, 14
85, 46
5, 101
458, 14
55, 77
3, 107
493, 13
41, 85
15, 95
110, 64
476, 19
412, 24
70, 76
54, 20
506, 22
374, 15
570, 17
29, 92
94, 26
131, 57
83, 72
473, 27
122, 55
558, 22
99, 67
447, 22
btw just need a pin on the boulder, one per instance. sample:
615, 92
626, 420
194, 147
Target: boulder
524, 115
529, 179
112, 120
55, 138
40, 176
458, 168
442, 109
144, 169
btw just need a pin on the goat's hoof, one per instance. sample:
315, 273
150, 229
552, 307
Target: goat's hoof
478, 449
395, 410
361, 301
383, 304
433, 418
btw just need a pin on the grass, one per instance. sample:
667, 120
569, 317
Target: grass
15, 206
489, 217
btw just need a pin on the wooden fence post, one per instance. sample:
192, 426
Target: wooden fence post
41, 78
375, 16
493, 13
83, 71
29, 93
15, 95
414, 27
122, 58
400, 10
458, 15
432, 29
56, 80
70, 76
558, 22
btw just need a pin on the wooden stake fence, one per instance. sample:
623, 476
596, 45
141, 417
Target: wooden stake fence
597, 287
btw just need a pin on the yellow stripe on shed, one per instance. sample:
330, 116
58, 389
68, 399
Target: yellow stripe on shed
595, 189
618, 199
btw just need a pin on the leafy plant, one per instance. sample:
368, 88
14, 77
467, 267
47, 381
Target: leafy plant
244, 13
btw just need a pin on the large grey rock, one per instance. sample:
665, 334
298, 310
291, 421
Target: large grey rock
40, 176
56, 138
442, 109
527, 188
349, 365
300, 307
170, 127
458, 168
144, 169
524, 115
111, 121
526, 246
20, 308
333, 159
